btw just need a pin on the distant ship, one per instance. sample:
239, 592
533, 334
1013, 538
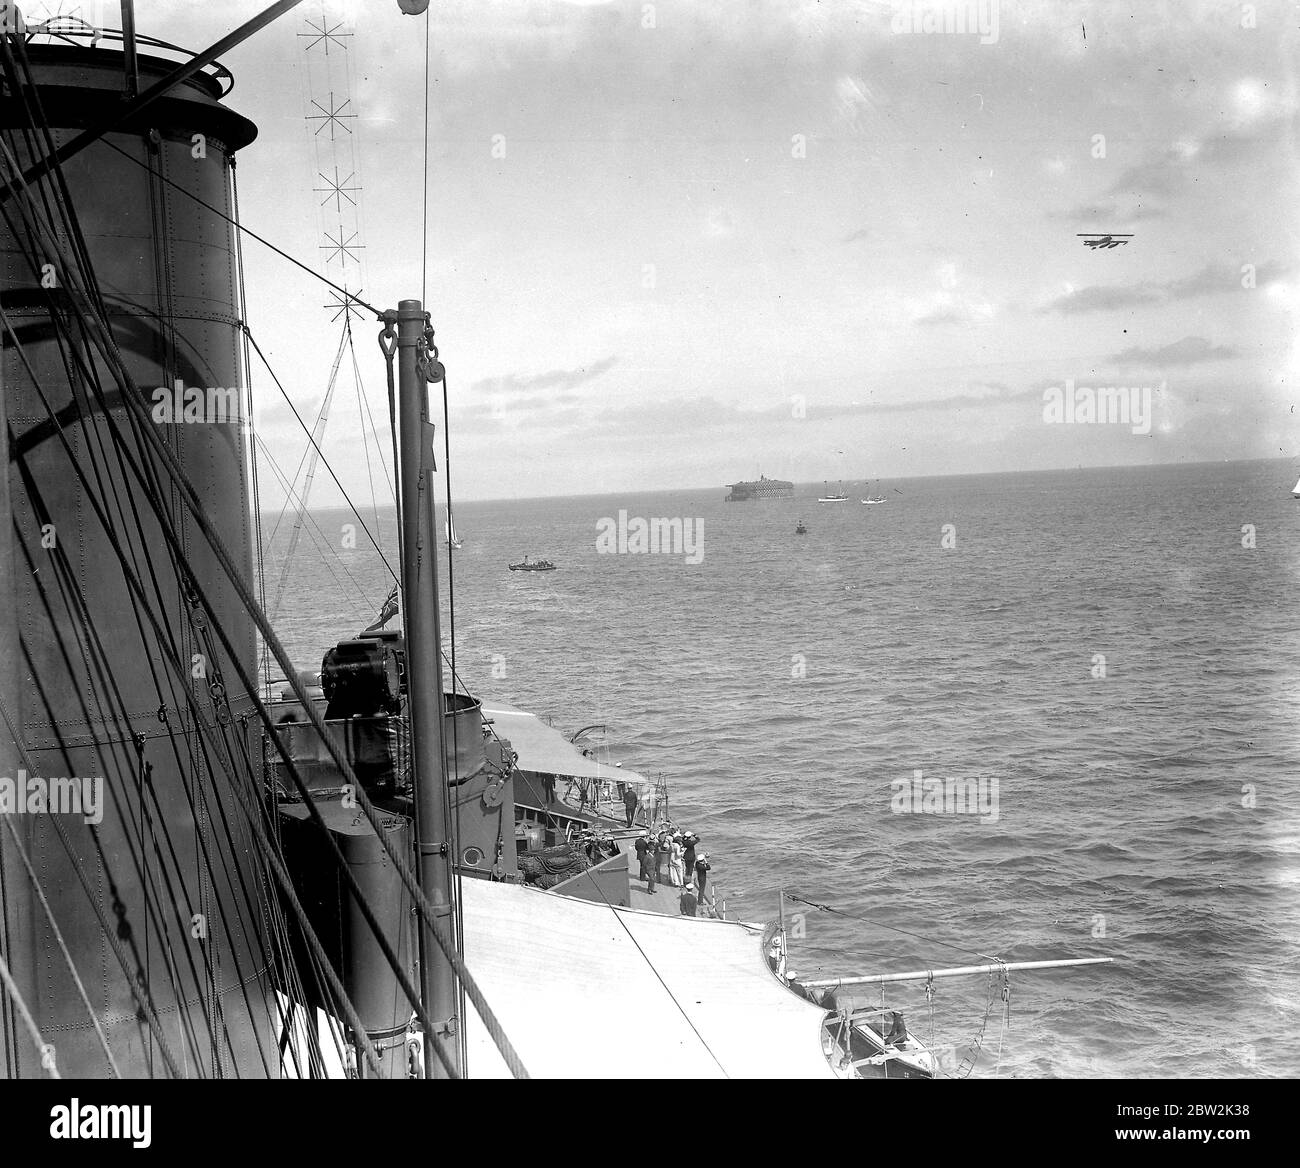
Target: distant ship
837, 497
765, 488
533, 566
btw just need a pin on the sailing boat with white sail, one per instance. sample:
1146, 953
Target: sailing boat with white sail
1295, 491
449, 530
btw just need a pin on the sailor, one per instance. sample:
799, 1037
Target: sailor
689, 840
629, 802
661, 854
642, 846
688, 902
702, 872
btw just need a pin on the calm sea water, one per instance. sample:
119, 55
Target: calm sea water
781, 684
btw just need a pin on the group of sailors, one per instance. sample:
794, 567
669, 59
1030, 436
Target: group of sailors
670, 848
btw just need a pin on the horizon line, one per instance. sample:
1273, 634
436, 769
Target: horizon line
812, 482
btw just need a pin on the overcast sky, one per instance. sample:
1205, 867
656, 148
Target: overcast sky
785, 237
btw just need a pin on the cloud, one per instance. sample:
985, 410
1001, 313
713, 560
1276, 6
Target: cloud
281, 413
720, 224
1101, 299
514, 383
1172, 169
947, 315
949, 309
1168, 172
559, 401
1209, 280
977, 395
1109, 214
695, 416
1188, 351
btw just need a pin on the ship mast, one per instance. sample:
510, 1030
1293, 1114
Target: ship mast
417, 365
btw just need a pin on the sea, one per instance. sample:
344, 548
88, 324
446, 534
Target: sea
1108, 657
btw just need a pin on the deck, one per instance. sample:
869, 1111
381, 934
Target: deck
664, 899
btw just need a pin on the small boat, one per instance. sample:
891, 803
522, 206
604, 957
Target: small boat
1295, 491
532, 566
873, 500
801, 529
449, 530
875, 1044
838, 497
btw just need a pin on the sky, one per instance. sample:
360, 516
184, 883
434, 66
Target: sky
678, 244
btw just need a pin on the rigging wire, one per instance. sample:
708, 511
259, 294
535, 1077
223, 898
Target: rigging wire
322, 415
139, 989
89, 624
325, 548
311, 457
667, 988
112, 353
363, 410
103, 341
100, 665
348, 296
230, 650
133, 581
73, 599
894, 928
42, 1047
113, 1069
370, 417
174, 663
107, 345
81, 261
351, 506
259, 543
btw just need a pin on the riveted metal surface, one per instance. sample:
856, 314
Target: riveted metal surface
92, 674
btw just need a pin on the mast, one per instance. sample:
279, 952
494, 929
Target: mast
424, 674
